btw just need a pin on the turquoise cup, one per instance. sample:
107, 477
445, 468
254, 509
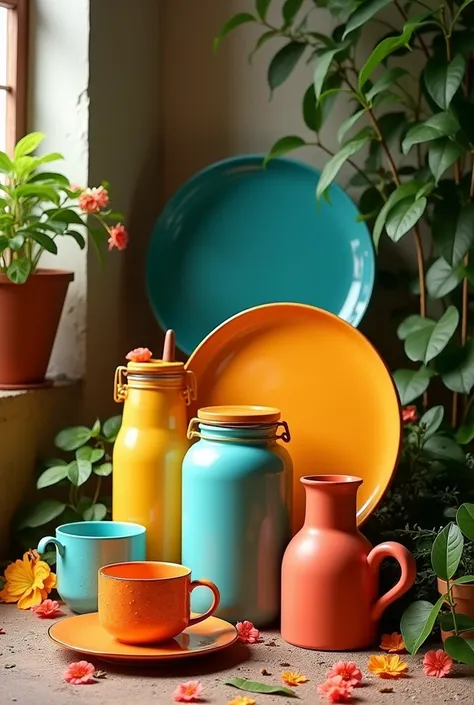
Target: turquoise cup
82, 548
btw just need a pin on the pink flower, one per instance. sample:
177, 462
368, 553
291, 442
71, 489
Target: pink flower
247, 632
437, 663
79, 673
118, 237
47, 609
188, 692
92, 200
139, 355
336, 690
75, 187
350, 672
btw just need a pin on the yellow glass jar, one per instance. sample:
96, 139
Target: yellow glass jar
149, 451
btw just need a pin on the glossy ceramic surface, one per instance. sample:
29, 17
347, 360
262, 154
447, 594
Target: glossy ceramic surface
334, 391
84, 547
330, 572
149, 451
236, 511
148, 602
238, 235
85, 635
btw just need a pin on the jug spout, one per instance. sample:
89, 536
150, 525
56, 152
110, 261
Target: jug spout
331, 501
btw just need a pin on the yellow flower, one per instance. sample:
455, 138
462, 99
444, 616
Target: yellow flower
387, 666
392, 643
293, 678
28, 581
242, 700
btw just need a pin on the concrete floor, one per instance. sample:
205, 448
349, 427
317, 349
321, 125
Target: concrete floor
31, 668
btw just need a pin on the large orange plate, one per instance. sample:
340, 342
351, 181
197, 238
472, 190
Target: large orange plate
83, 633
330, 384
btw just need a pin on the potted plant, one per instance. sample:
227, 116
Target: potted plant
454, 610
37, 209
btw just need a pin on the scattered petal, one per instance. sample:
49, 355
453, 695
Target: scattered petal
437, 663
349, 671
2, 631
410, 414
242, 700
48, 609
393, 643
336, 690
247, 632
79, 673
188, 692
293, 678
139, 355
118, 237
387, 666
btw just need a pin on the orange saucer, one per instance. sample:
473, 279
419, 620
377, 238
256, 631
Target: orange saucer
84, 634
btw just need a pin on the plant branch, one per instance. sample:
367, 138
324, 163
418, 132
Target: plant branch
419, 37
97, 491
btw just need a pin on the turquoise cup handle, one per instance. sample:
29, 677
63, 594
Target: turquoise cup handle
50, 539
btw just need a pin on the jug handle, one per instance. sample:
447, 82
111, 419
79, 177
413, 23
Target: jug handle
50, 539
391, 549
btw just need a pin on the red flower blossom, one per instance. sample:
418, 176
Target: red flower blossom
139, 355
336, 690
247, 632
48, 609
188, 692
437, 663
349, 671
92, 200
410, 414
79, 673
118, 237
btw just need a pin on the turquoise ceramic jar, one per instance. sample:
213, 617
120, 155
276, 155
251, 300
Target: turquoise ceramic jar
236, 509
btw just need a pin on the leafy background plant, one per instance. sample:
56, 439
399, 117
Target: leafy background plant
410, 143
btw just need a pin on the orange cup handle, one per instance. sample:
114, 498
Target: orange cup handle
391, 549
215, 602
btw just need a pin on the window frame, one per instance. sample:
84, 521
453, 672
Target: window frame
17, 62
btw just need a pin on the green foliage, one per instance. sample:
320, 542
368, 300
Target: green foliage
36, 208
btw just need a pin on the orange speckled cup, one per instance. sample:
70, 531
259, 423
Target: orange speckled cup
147, 602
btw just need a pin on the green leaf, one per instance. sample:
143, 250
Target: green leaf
283, 146
424, 345
256, 687
44, 241
439, 125
464, 623
103, 470
230, 25
331, 90
17, 241
386, 81
442, 154
49, 176
446, 551
47, 158
465, 434
441, 278
401, 192
262, 8
44, 512
465, 520
79, 472
290, 10
418, 621
28, 144
460, 649
95, 430
404, 216
263, 39
444, 448
382, 50
6, 164
39, 191
464, 580
336, 162
461, 378
322, 67
411, 384
453, 231
363, 13
412, 324
77, 237
432, 420
65, 215
72, 438
112, 427
345, 126
283, 63
97, 512
51, 476
442, 80
92, 455
19, 270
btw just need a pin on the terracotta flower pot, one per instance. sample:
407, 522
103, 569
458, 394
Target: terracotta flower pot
464, 598
29, 319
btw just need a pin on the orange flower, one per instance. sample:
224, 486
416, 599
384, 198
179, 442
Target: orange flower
393, 643
28, 582
242, 700
410, 414
48, 609
336, 690
349, 671
92, 200
139, 355
188, 692
292, 678
247, 632
437, 663
79, 673
387, 666
118, 237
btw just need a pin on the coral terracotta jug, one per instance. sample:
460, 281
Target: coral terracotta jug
236, 518
330, 572
149, 451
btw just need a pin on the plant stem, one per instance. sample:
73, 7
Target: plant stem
452, 605
97, 490
419, 37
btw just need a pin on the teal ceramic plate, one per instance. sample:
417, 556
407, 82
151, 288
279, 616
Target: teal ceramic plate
238, 235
